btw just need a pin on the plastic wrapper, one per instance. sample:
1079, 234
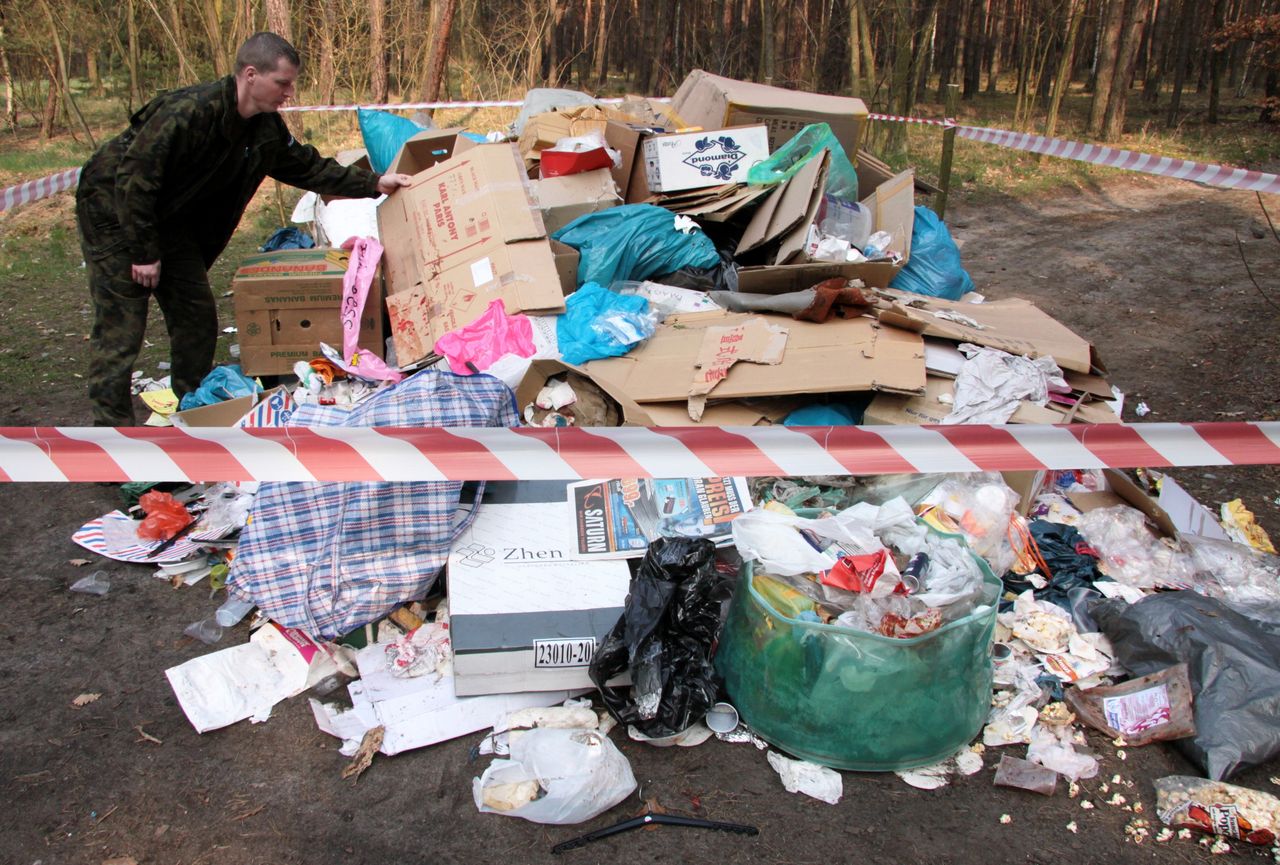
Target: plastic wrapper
1233, 662
1247, 579
1131, 554
1140, 711
165, 516
555, 776
1052, 748
598, 323
979, 506
1216, 808
664, 638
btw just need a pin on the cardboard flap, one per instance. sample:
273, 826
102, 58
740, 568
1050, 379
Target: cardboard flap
1013, 325
839, 356
793, 242
892, 204
787, 206
754, 340
424, 150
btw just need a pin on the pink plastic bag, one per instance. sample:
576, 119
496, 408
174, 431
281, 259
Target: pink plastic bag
365, 252
486, 339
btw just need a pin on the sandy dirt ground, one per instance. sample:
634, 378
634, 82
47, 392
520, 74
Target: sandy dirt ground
1150, 271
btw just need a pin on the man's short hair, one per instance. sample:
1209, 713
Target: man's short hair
263, 51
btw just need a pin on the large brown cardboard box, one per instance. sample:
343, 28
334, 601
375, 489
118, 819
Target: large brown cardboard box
289, 301
712, 102
400, 256
561, 200
477, 238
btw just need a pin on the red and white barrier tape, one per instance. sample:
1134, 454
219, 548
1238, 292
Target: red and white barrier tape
34, 190
535, 453
1164, 166
417, 106
898, 118
1223, 176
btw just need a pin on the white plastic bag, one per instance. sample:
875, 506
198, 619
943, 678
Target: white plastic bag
556, 776
800, 776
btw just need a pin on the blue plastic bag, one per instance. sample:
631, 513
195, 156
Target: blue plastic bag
383, 135
287, 238
634, 242
600, 323
934, 268
224, 383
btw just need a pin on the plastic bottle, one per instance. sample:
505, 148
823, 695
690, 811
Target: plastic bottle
232, 611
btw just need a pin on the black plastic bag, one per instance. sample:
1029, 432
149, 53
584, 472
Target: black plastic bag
1072, 564
1234, 664
664, 638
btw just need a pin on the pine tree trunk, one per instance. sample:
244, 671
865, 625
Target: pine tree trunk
439, 54
131, 56
1215, 63
767, 24
975, 31
1062, 78
1127, 56
1186, 21
377, 50
599, 63
1108, 52
10, 107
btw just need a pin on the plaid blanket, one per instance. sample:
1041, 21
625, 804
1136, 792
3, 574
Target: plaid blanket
328, 558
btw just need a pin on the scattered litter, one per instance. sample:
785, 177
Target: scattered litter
557, 776
799, 776
1025, 775
1217, 808
96, 583
85, 699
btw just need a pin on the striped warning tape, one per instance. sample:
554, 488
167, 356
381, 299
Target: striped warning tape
535, 453
417, 106
1223, 176
34, 190
898, 118
1130, 160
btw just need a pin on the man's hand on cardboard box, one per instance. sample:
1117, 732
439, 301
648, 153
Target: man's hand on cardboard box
389, 183
147, 275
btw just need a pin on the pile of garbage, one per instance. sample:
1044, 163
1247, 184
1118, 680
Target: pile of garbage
892, 623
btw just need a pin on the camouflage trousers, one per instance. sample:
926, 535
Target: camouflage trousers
120, 309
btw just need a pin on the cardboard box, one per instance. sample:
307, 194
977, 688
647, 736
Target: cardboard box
400, 251
561, 200
477, 238
541, 370
693, 160
1013, 325
713, 102
424, 150
838, 356
267, 409
780, 226
287, 302
524, 614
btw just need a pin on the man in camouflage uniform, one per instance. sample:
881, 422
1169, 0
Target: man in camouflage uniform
157, 204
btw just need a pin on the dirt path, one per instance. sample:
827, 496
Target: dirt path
1148, 270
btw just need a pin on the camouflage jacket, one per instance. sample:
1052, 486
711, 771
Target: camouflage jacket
188, 165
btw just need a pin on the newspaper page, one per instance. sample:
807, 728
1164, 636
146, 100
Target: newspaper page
616, 519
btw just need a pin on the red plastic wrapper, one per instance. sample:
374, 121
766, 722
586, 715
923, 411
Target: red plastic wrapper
165, 517
857, 573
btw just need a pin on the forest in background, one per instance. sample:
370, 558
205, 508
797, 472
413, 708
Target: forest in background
894, 54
